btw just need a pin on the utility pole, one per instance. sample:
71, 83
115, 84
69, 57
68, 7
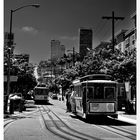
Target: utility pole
51, 63
73, 56
113, 18
10, 45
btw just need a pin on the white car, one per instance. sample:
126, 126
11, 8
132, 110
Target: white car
17, 97
54, 96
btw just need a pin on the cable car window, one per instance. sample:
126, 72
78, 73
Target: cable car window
109, 92
98, 94
90, 93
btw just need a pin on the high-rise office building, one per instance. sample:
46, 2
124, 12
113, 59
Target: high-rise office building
57, 50
85, 41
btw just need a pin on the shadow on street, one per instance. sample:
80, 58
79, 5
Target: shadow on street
102, 120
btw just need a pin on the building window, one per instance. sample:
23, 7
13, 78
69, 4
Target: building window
133, 39
120, 46
127, 43
133, 42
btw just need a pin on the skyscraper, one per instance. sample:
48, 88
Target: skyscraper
85, 43
57, 50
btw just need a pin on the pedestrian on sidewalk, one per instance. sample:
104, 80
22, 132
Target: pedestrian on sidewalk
68, 105
72, 102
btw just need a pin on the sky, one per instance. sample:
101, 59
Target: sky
34, 28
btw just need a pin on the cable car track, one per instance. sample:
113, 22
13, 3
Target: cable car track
50, 129
118, 131
8, 123
121, 132
128, 132
124, 130
66, 132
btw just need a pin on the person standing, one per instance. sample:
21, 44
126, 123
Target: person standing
68, 105
72, 102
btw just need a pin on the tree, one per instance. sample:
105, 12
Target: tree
42, 66
121, 66
25, 83
26, 80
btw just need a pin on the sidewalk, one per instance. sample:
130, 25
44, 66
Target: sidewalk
130, 118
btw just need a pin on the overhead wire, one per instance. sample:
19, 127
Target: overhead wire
100, 28
127, 17
105, 35
107, 31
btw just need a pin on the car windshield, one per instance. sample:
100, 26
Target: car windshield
41, 91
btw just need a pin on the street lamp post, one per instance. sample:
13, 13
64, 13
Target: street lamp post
10, 45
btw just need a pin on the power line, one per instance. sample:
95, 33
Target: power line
127, 19
99, 26
101, 29
107, 31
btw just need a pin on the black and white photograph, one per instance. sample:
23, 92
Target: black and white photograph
69, 70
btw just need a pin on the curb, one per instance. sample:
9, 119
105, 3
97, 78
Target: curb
125, 119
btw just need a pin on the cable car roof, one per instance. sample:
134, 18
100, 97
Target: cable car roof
99, 81
96, 77
41, 87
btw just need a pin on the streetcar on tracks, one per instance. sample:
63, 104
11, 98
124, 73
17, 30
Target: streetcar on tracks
41, 93
95, 95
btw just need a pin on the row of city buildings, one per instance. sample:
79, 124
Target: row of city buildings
85, 41
125, 39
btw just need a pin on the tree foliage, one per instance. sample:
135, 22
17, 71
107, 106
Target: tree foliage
23, 70
121, 66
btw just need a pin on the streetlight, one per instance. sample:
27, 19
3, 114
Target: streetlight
10, 44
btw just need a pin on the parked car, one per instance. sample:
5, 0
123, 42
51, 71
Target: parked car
54, 96
18, 98
15, 96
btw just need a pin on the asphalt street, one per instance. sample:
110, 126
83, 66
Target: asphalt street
29, 124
